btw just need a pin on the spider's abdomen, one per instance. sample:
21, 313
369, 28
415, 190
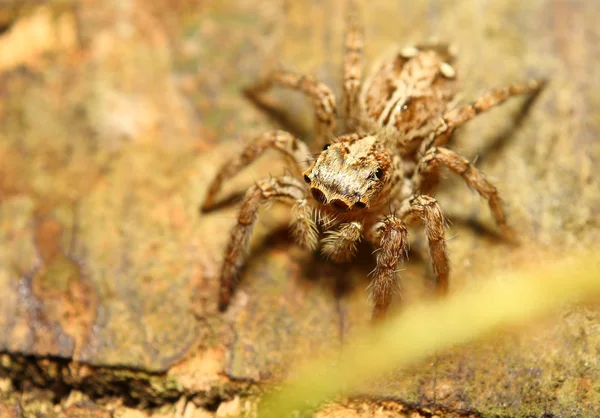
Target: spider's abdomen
409, 92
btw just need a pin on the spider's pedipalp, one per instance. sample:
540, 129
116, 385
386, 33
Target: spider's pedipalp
303, 226
340, 244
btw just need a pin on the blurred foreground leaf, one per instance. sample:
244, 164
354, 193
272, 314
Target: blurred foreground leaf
417, 333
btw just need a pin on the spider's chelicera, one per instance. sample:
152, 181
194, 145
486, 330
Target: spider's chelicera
380, 175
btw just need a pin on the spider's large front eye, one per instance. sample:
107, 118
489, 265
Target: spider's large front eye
318, 195
379, 173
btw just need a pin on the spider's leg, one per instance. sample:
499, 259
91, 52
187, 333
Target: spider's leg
352, 68
324, 100
340, 244
427, 210
282, 141
458, 116
427, 173
390, 236
282, 188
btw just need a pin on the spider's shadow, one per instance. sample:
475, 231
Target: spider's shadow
475, 225
314, 268
228, 201
277, 114
339, 279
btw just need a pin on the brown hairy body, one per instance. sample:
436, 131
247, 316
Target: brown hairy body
380, 175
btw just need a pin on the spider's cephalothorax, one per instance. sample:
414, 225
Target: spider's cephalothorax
380, 175
351, 176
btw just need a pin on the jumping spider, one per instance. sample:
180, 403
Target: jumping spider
380, 175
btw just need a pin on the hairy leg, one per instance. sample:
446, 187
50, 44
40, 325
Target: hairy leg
460, 115
436, 157
294, 149
390, 236
283, 188
352, 68
427, 210
340, 244
324, 100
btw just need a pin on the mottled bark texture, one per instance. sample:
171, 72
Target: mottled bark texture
114, 123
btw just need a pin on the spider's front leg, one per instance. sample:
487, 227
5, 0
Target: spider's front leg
286, 143
426, 176
323, 98
283, 188
427, 210
390, 236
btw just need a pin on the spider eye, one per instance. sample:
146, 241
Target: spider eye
318, 195
360, 205
379, 173
306, 178
326, 146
